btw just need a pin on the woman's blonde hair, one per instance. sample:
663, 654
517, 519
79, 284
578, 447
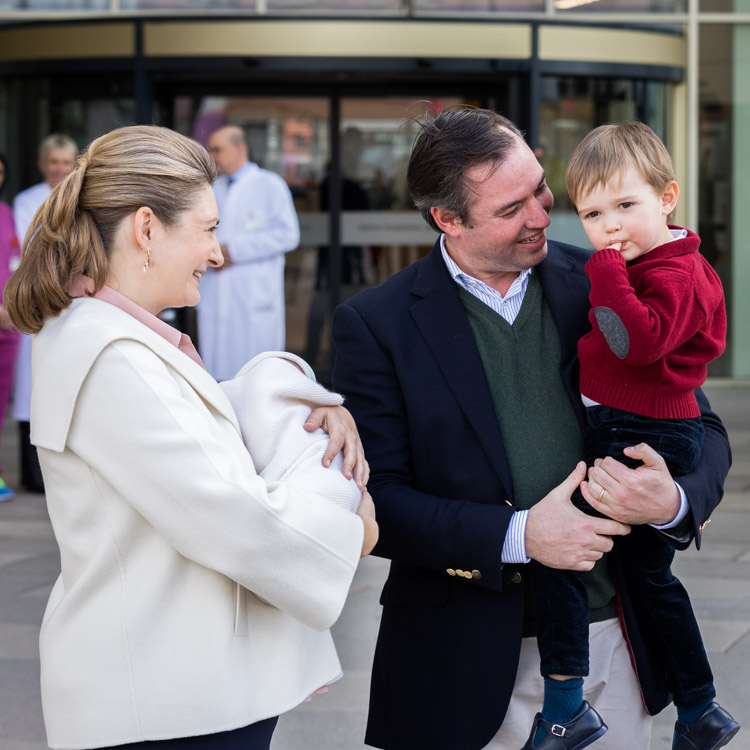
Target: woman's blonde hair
609, 149
73, 231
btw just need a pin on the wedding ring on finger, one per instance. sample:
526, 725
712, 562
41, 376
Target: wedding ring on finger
601, 495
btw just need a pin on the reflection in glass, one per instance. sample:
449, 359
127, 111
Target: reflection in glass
188, 5
289, 136
86, 119
466, 6
570, 108
61, 5
621, 6
380, 230
263, 5
717, 168
328, 5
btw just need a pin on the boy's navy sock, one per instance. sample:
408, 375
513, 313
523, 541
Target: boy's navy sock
687, 715
562, 699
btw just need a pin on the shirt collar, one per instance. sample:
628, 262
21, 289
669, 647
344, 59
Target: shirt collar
462, 278
246, 167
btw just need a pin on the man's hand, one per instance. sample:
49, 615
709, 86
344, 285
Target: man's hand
643, 495
559, 535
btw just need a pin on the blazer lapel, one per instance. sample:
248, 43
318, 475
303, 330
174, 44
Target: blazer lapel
58, 388
441, 318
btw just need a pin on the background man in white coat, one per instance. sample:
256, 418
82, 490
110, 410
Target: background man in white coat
57, 154
241, 312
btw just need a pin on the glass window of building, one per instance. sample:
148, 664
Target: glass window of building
621, 6
54, 5
722, 154
570, 107
475, 6
378, 231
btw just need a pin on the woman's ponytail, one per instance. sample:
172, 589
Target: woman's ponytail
56, 250
74, 230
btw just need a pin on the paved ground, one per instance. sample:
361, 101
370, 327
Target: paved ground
718, 578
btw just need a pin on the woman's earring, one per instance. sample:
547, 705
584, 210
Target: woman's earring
147, 262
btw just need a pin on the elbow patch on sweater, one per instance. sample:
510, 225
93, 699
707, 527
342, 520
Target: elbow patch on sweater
613, 330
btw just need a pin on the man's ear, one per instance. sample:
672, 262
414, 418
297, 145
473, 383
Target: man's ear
669, 198
446, 220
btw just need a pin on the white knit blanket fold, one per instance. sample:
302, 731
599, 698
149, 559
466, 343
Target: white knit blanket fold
272, 399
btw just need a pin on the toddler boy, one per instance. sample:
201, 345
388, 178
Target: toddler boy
657, 317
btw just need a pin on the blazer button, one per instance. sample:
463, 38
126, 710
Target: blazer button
476, 574
467, 574
517, 578
702, 527
459, 572
450, 572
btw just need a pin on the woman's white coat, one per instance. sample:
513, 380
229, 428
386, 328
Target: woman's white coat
193, 598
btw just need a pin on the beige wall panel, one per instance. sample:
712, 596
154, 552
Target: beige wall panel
338, 39
61, 42
678, 139
595, 44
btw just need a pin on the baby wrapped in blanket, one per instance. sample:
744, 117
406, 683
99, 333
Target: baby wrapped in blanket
272, 396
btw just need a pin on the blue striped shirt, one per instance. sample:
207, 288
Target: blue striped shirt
508, 306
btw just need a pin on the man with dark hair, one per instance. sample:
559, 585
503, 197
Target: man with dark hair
462, 374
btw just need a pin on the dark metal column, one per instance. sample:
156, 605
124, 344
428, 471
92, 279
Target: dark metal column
142, 89
334, 218
535, 90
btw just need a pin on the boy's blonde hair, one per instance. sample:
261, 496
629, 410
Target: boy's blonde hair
609, 149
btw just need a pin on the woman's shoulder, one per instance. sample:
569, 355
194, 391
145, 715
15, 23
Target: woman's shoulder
99, 318
88, 342
77, 336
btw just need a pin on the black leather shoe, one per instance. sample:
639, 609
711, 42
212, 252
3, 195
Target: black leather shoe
583, 729
715, 728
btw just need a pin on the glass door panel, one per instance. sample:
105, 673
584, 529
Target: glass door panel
289, 136
377, 231
571, 107
380, 232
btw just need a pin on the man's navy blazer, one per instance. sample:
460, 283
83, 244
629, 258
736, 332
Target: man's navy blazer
449, 641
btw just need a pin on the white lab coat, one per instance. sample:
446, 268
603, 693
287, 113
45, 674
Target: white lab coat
242, 312
25, 206
194, 597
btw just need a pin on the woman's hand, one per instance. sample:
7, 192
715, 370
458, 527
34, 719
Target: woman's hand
343, 436
366, 512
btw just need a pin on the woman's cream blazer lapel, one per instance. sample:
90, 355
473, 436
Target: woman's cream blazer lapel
56, 389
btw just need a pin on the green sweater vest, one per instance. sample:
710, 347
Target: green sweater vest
539, 428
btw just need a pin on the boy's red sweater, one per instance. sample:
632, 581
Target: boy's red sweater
657, 321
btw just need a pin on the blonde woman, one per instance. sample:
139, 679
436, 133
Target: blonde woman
194, 600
